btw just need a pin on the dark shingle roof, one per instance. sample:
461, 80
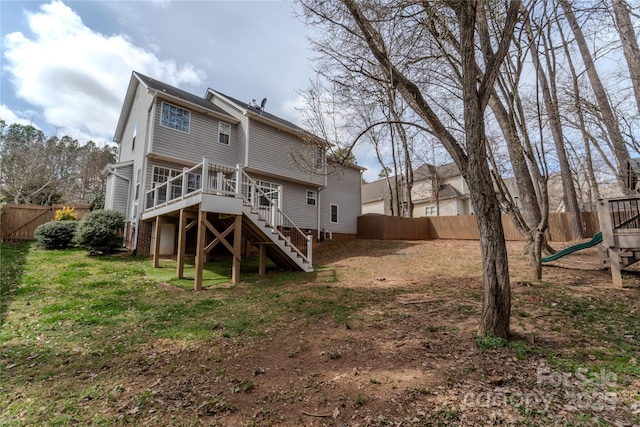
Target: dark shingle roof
425, 171
264, 114
180, 94
376, 190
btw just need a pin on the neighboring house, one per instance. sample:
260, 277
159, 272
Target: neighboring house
215, 158
440, 191
376, 197
436, 191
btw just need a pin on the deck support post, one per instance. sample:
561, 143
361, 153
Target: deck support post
156, 243
237, 249
200, 253
263, 259
183, 227
182, 243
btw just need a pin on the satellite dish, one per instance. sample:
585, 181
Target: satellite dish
263, 103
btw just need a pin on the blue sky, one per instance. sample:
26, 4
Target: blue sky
65, 66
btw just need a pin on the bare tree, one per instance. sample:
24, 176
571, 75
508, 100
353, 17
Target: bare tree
620, 151
621, 10
377, 26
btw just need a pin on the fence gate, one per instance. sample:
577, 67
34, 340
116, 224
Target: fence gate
19, 222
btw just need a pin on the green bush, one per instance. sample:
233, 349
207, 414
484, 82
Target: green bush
56, 234
99, 231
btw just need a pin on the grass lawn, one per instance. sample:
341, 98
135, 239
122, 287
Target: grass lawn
110, 340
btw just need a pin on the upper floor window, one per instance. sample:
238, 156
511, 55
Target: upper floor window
175, 117
318, 157
312, 196
135, 132
224, 133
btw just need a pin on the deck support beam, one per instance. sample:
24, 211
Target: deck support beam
237, 249
183, 227
156, 244
202, 248
200, 254
263, 259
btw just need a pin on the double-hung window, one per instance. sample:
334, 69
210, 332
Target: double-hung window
318, 157
334, 214
312, 197
224, 133
175, 117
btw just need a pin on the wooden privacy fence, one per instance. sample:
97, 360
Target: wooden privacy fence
463, 227
19, 222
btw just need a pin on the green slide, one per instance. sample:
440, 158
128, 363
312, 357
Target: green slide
571, 249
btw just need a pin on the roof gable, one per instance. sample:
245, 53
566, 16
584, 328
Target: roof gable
165, 91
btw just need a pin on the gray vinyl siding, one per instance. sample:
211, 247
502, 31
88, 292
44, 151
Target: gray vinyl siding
277, 152
109, 196
343, 189
117, 192
201, 141
294, 203
241, 131
138, 114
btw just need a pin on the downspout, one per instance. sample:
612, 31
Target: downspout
148, 146
246, 144
326, 180
113, 172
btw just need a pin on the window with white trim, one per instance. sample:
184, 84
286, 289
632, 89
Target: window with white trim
162, 175
224, 133
334, 214
318, 157
135, 133
430, 210
174, 117
271, 190
312, 197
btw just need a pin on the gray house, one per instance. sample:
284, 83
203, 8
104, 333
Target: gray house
195, 172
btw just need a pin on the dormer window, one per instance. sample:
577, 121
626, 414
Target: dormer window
224, 133
175, 117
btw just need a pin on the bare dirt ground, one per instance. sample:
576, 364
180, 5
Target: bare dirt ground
408, 355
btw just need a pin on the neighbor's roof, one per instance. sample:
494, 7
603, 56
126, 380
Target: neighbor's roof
446, 191
375, 191
445, 171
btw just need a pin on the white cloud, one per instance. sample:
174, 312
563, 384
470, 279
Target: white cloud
78, 77
11, 117
291, 109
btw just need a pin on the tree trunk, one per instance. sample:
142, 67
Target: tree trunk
629, 44
496, 307
473, 164
570, 197
619, 148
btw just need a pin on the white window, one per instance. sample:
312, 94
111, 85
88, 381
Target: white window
224, 133
430, 210
312, 196
175, 117
334, 214
162, 175
318, 157
135, 132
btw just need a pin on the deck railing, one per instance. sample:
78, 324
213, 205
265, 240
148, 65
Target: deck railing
221, 180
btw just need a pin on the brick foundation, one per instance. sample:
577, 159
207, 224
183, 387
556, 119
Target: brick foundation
144, 238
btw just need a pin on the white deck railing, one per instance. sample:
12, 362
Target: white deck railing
221, 181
